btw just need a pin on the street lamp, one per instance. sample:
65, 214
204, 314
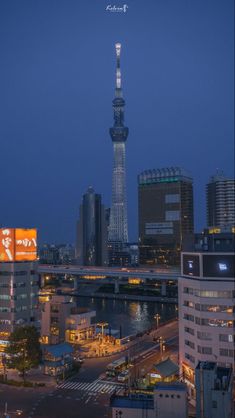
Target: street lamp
102, 325
162, 345
7, 414
157, 317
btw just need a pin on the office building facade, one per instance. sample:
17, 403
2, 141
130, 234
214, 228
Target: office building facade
206, 312
165, 200
19, 284
92, 230
220, 197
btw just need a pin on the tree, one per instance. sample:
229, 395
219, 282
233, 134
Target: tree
23, 350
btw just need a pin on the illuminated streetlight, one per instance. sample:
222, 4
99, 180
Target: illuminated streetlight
102, 325
157, 317
7, 414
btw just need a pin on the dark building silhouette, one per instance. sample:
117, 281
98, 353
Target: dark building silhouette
220, 197
91, 248
166, 223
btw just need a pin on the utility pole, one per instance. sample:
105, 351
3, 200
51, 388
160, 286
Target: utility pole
162, 346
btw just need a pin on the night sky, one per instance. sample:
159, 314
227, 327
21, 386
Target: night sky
57, 77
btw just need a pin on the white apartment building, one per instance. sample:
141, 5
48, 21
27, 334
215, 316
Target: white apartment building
220, 198
206, 312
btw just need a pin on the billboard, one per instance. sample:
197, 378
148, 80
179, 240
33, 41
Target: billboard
218, 265
7, 248
191, 265
18, 244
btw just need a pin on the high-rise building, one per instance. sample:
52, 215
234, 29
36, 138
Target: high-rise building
220, 196
19, 282
206, 312
91, 249
165, 214
118, 229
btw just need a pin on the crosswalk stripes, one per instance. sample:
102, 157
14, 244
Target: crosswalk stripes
92, 387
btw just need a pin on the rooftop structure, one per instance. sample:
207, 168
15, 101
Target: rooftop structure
214, 391
163, 175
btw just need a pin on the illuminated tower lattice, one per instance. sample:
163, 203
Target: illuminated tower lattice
118, 230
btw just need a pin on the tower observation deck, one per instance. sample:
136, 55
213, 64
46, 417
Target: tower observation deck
118, 229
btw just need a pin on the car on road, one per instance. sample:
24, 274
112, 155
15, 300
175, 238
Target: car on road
124, 376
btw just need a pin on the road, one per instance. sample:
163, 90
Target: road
86, 395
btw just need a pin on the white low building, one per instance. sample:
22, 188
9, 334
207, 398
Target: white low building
166, 401
79, 325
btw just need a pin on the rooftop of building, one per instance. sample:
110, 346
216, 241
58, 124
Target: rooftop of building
173, 386
167, 368
58, 350
222, 375
80, 310
206, 365
143, 402
161, 175
219, 176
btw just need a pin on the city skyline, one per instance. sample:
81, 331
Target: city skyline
58, 70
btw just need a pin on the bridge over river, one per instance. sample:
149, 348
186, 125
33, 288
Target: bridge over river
111, 275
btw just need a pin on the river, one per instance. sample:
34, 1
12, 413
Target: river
131, 316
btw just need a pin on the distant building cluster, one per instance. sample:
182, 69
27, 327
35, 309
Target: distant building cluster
165, 219
57, 254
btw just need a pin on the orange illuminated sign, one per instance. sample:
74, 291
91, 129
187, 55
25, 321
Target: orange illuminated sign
18, 244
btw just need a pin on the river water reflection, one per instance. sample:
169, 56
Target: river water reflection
132, 316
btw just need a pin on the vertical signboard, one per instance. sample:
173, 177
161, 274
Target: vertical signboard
7, 246
18, 244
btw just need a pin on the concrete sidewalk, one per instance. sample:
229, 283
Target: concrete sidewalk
33, 375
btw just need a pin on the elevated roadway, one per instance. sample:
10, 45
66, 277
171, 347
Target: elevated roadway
105, 272
104, 275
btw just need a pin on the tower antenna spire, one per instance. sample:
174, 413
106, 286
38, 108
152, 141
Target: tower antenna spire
118, 68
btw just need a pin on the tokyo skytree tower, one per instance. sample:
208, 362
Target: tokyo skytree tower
118, 230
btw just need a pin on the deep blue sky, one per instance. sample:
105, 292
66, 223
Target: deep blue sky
57, 83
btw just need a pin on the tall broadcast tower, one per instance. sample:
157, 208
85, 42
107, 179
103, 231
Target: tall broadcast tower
118, 230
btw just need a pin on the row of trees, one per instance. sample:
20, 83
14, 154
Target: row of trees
23, 351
